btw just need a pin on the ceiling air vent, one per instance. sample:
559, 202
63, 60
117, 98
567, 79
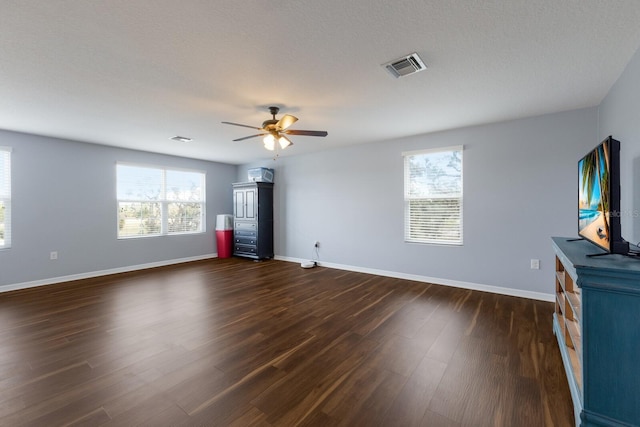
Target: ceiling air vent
404, 66
182, 138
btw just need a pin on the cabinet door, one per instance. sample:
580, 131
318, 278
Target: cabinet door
238, 204
250, 203
245, 203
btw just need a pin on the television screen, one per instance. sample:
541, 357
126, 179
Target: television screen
599, 197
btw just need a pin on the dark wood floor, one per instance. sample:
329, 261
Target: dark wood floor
233, 342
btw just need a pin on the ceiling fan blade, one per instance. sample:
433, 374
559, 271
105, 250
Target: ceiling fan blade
244, 126
247, 137
306, 132
286, 121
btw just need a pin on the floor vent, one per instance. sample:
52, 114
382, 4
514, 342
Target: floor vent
409, 64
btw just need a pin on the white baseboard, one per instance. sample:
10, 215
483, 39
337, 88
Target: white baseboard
437, 281
91, 274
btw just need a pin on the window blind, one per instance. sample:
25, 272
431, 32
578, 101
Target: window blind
156, 201
5, 197
433, 196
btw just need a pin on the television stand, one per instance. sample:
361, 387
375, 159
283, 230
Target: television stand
579, 239
599, 254
617, 248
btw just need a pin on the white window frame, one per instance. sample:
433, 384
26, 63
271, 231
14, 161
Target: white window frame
413, 236
163, 202
5, 196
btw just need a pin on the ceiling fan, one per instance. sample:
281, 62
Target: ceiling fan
276, 130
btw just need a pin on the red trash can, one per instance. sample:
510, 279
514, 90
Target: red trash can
224, 235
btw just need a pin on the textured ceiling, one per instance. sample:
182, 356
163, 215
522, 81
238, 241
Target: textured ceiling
135, 73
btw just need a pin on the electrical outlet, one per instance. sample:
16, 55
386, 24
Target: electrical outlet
316, 244
53, 255
535, 264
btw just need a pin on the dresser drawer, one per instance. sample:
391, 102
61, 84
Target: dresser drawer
246, 226
246, 240
245, 249
245, 233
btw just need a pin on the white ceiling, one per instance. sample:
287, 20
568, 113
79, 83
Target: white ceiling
135, 73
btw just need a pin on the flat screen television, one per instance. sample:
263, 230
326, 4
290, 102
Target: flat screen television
599, 197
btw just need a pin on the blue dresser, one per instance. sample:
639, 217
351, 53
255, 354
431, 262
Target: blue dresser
597, 324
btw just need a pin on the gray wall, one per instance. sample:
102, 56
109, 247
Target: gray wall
520, 181
64, 200
620, 116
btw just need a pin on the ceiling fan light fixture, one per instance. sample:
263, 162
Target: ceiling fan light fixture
269, 142
284, 142
273, 131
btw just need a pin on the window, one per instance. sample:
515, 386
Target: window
5, 197
433, 196
156, 201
